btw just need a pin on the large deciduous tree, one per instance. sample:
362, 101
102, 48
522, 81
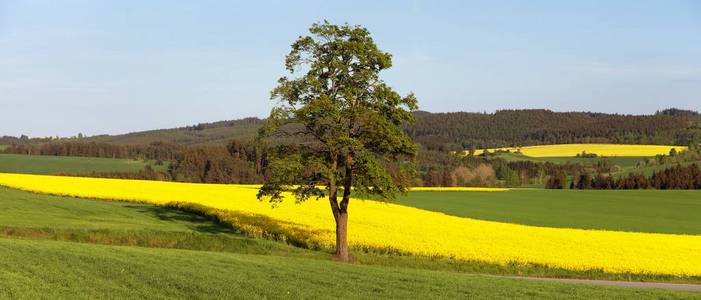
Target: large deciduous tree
337, 127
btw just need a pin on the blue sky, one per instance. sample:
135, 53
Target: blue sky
111, 67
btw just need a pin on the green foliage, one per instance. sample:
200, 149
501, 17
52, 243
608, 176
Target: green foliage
201, 134
556, 181
584, 154
504, 128
676, 177
505, 173
236, 163
82, 148
342, 123
445, 131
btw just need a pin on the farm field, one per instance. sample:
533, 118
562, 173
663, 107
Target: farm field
39, 164
659, 211
627, 164
461, 238
623, 161
647, 171
350, 150
571, 150
47, 269
231, 266
30, 210
35, 216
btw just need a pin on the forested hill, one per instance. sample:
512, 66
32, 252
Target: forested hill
531, 127
452, 131
221, 132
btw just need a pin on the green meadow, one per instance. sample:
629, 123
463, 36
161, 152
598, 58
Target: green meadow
40, 164
662, 211
60, 248
623, 161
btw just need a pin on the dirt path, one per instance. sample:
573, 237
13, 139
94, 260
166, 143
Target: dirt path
632, 284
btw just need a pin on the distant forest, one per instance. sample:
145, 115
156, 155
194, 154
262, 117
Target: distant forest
224, 152
461, 130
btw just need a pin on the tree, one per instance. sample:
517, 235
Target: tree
471, 151
337, 127
585, 181
556, 181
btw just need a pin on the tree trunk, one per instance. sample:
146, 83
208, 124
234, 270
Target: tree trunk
342, 219
340, 210
342, 236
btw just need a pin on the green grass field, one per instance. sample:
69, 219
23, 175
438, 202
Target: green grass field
227, 265
630, 210
28, 215
623, 161
48, 269
628, 164
23, 209
38, 164
647, 171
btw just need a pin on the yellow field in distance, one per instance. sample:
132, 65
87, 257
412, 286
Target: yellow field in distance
571, 150
381, 226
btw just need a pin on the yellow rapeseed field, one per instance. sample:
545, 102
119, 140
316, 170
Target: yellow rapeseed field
375, 225
570, 150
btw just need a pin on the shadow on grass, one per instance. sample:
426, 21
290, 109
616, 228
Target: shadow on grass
257, 225
233, 223
195, 222
261, 226
205, 220
158, 239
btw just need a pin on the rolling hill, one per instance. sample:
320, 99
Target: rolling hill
460, 130
60, 247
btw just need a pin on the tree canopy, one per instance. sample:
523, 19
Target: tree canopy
337, 125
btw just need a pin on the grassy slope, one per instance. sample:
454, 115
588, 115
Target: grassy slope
38, 164
23, 209
624, 161
48, 269
218, 135
39, 268
628, 164
35, 216
637, 210
647, 171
